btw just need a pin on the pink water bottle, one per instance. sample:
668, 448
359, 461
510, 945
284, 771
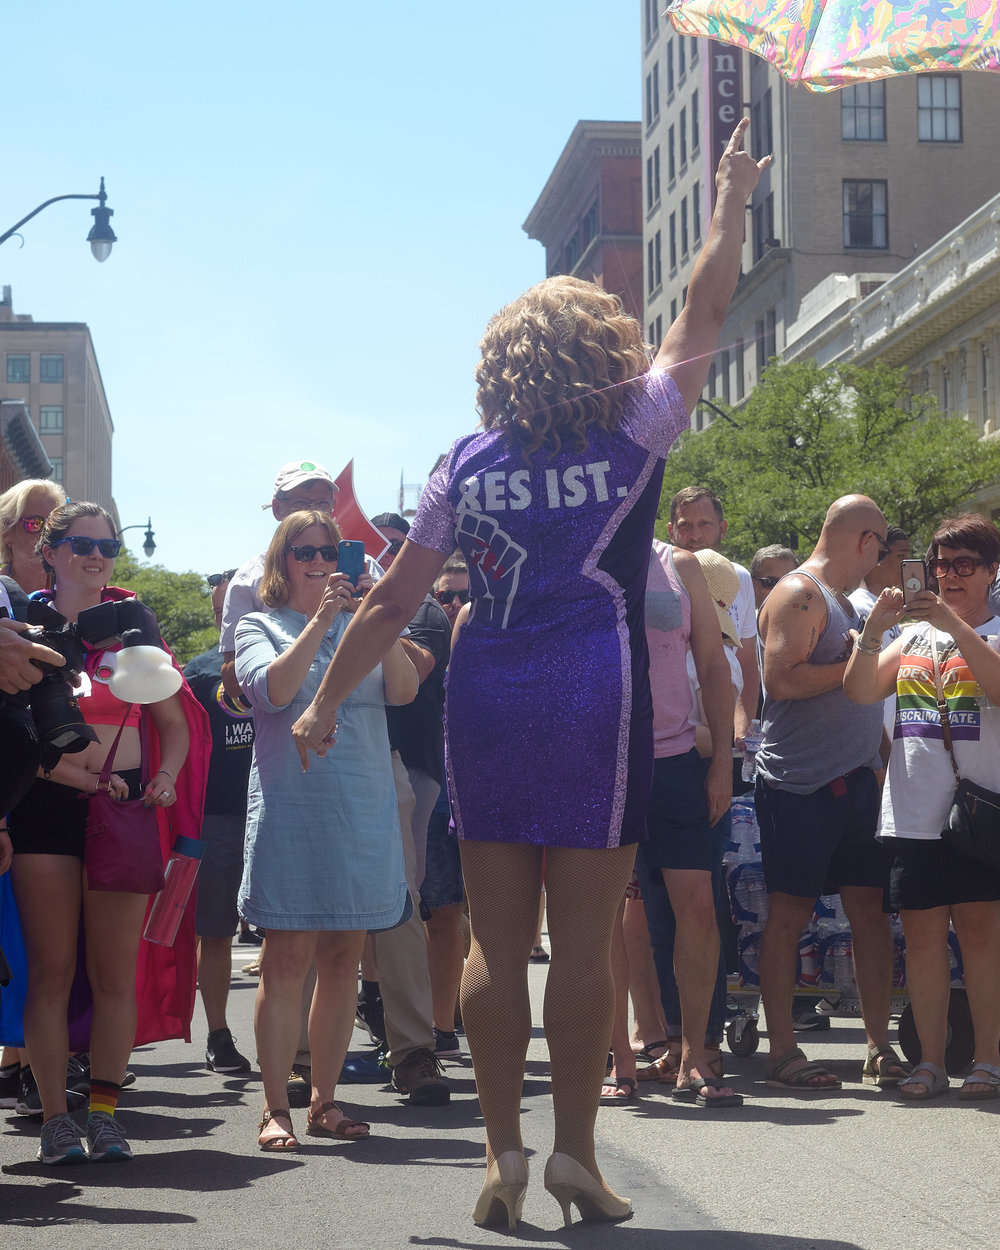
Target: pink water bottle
179, 876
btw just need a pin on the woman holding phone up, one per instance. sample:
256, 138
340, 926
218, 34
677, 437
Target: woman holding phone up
949, 660
323, 860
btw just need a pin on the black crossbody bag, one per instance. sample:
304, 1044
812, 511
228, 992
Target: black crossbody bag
973, 825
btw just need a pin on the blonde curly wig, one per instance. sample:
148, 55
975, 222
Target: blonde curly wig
562, 357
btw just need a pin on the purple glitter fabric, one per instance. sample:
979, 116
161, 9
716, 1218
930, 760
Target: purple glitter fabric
549, 717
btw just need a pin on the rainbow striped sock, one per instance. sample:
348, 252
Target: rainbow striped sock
104, 1096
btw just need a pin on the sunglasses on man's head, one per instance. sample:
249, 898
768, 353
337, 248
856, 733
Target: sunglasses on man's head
31, 524
83, 546
395, 546
446, 596
305, 552
214, 579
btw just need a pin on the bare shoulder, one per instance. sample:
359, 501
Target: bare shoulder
795, 601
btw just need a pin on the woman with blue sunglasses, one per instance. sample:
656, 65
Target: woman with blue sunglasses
78, 546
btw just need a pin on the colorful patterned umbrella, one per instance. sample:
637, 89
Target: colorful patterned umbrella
827, 44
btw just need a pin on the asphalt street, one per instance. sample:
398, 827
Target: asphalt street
854, 1170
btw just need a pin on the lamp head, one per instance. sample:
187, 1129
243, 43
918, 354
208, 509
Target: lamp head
101, 235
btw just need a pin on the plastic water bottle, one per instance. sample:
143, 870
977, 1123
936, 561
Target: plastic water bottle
744, 837
179, 878
748, 959
754, 738
749, 895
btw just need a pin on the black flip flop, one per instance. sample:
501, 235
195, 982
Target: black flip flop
695, 1093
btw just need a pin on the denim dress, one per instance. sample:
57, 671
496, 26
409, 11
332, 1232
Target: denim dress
323, 848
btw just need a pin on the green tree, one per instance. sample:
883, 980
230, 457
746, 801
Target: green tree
182, 603
807, 435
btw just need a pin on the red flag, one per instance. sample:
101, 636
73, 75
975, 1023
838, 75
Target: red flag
350, 516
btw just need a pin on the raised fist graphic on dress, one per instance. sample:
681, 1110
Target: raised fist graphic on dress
494, 561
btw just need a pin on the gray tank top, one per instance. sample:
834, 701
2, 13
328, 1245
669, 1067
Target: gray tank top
809, 742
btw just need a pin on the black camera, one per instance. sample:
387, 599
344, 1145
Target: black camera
58, 720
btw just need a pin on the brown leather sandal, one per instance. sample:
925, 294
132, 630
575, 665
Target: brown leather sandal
315, 1128
281, 1141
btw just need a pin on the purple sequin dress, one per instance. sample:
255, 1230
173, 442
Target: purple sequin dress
549, 717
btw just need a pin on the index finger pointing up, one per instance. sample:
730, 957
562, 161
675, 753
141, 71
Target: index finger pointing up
736, 138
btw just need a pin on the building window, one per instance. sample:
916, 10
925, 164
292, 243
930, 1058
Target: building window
862, 111
659, 260
50, 420
946, 392
696, 212
571, 255
57, 470
694, 52
724, 373
866, 218
671, 161
762, 136
659, 328
766, 341
50, 368
652, 332
985, 375
695, 128
650, 268
768, 123
740, 369
673, 311
653, 178
673, 241
763, 226
681, 57
18, 368
670, 67
684, 227
656, 91
590, 224
652, 18
939, 108
683, 131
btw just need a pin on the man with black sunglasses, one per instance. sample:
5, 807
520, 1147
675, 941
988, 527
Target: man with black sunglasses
817, 792
451, 589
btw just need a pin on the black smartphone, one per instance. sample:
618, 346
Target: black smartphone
913, 577
351, 561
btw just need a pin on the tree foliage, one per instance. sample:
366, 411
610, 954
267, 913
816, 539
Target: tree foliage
182, 603
807, 435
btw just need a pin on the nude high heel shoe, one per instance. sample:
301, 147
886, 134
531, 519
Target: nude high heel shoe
568, 1181
503, 1190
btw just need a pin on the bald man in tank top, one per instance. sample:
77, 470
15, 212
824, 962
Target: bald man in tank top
818, 789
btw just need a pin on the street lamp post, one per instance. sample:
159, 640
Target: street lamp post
101, 236
148, 546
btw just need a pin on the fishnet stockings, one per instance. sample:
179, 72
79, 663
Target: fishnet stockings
583, 891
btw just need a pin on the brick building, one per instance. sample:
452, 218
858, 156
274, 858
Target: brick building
589, 214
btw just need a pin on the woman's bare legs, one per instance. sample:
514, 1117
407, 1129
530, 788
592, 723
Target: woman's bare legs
978, 928
928, 981
502, 881
113, 927
331, 1017
48, 889
286, 958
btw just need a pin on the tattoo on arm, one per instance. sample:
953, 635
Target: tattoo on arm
812, 642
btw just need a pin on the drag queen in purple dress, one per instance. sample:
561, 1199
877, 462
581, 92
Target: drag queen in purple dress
549, 718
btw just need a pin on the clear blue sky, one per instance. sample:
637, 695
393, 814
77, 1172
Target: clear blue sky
318, 204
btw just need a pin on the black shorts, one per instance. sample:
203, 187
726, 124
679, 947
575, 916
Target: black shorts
932, 873
679, 833
51, 819
814, 844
